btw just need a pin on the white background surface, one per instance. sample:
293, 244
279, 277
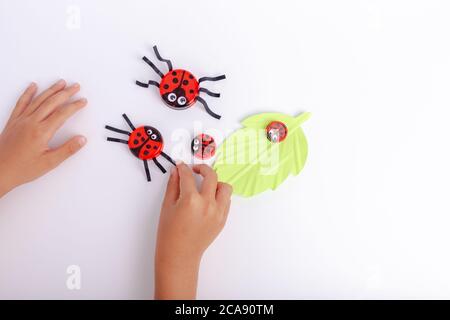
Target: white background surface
367, 218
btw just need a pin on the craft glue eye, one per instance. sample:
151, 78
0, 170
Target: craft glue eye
274, 137
181, 101
172, 97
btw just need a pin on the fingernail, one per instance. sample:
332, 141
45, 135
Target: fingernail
83, 100
179, 162
33, 84
82, 141
61, 82
76, 85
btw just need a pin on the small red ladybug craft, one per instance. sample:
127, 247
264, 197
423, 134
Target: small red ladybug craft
144, 142
179, 88
203, 147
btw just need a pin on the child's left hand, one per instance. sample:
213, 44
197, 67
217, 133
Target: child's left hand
24, 151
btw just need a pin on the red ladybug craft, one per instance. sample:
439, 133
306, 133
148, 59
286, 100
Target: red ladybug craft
276, 131
179, 88
203, 146
145, 143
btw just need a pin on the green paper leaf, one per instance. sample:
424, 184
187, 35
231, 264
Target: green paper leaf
252, 164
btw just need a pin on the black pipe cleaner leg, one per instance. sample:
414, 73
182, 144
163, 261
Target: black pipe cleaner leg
209, 93
147, 171
129, 122
117, 130
169, 63
159, 165
117, 140
205, 105
146, 85
168, 158
155, 68
222, 77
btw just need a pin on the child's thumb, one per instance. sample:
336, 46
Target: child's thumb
69, 148
173, 187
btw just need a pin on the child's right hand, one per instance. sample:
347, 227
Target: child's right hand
24, 151
190, 221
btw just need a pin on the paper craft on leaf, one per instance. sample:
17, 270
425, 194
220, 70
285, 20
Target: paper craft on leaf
144, 142
178, 88
259, 157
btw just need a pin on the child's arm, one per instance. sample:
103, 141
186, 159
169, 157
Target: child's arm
190, 221
24, 151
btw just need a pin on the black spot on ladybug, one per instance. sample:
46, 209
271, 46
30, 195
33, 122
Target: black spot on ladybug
135, 141
166, 86
191, 76
191, 91
146, 153
142, 139
174, 73
175, 80
138, 134
147, 146
185, 82
155, 147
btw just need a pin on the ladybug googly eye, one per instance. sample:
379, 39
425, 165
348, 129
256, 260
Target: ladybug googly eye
149, 132
274, 135
153, 137
182, 101
172, 97
196, 141
195, 148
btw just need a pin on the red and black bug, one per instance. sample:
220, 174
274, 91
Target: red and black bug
145, 143
203, 146
276, 131
179, 88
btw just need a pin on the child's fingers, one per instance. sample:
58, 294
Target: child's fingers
57, 156
58, 86
173, 187
24, 100
57, 118
227, 211
187, 181
223, 195
55, 101
209, 184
